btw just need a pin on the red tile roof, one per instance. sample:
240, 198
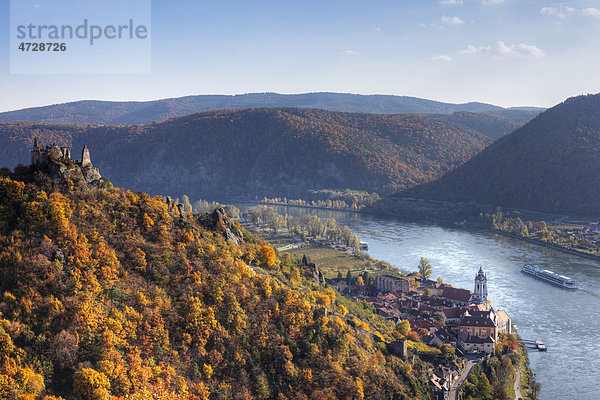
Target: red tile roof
455, 294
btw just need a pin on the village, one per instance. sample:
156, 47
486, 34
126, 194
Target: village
446, 319
580, 233
441, 315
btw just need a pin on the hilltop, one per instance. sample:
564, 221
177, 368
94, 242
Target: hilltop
262, 152
110, 293
550, 164
145, 112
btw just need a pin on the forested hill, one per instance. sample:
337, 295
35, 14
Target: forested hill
493, 124
109, 293
550, 164
145, 112
261, 152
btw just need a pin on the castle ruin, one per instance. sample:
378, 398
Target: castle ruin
42, 157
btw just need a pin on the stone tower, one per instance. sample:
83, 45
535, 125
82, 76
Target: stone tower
36, 153
480, 292
85, 157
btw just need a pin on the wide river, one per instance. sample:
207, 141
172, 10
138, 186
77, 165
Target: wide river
567, 321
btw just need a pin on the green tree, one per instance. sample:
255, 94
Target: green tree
425, 269
439, 316
349, 278
403, 327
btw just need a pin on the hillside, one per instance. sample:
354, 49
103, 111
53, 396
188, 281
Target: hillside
493, 124
145, 112
262, 152
110, 293
550, 164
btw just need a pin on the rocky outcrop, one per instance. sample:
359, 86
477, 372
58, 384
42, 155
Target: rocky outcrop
57, 162
312, 268
218, 220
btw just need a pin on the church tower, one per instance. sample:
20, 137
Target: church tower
480, 292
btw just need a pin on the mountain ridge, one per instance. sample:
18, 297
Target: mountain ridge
550, 164
140, 112
261, 152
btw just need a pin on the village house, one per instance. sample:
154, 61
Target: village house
476, 344
504, 322
430, 324
457, 297
478, 331
452, 314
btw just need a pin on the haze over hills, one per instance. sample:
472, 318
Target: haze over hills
259, 152
550, 164
114, 113
493, 124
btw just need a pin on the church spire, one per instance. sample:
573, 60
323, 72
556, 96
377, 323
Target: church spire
480, 292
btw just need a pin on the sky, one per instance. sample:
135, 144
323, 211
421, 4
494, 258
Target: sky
504, 52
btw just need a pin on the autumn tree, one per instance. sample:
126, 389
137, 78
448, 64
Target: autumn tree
267, 255
89, 384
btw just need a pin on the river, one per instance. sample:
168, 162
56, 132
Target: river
565, 320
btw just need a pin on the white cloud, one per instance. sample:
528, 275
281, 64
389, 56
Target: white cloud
591, 12
350, 52
378, 29
488, 2
450, 2
452, 20
502, 50
561, 12
442, 58
422, 26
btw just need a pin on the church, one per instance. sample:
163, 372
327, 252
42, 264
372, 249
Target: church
479, 326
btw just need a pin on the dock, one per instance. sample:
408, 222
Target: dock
537, 344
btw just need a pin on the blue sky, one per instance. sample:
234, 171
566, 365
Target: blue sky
510, 52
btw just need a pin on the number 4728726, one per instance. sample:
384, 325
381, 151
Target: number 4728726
42, 46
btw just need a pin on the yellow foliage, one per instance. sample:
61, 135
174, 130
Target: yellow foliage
9, 297
208, 371
89, 384
29, 381
360, 392
148, 222
306, 375
139, 259
267, 255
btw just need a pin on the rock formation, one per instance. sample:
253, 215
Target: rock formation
58, 163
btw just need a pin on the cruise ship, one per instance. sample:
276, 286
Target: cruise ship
549, 276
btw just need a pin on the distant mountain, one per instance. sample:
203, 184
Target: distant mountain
550, 164
145, 112
493, 124
257, 152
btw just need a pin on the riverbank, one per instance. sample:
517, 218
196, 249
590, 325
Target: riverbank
382, 214
332, 259
444, 222
548, 245
526, 387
